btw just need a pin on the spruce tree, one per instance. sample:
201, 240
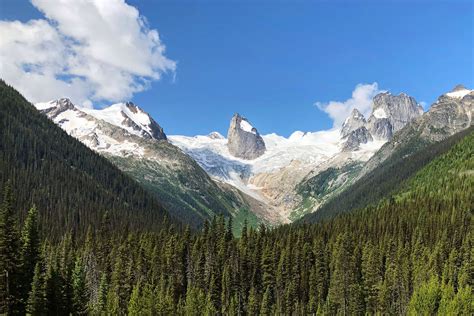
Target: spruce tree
37, 300
29, 251
425, 299
9, 249
80, 295
135, 304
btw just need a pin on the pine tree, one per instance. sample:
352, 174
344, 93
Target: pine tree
29, 251
371, 277
9, 249
80, 295
265, 306
343, 274
37, 301
253, 305
195, 302
102, 295
209, 308
425, 298
135, 304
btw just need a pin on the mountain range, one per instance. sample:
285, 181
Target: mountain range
100, 240
259, 178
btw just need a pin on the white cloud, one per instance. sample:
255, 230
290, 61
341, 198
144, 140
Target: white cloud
361, 99
84, 49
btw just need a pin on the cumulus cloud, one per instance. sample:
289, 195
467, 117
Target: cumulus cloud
87, 50
361, 99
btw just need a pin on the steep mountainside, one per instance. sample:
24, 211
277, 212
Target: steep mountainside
134, 142
69, 183
450, 114
410, 149
389, 177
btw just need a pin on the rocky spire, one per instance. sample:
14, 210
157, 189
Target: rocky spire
353, 122
243, 140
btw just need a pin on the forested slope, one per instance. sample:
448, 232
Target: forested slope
412, 254
71, 184
387, 178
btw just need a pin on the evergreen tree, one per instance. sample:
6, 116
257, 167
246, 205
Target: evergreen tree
371, 276
135, 306
37, 301
266, 306
425, 298
102, 295
80, 295
343, 274
30, 242
10, 298
195, 302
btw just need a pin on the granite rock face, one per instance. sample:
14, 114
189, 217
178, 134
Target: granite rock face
355, 138
391, 113
381, 128
353, 122
451, 113
243, 140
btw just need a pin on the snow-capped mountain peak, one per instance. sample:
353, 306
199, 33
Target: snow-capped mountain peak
131, 118
127, 116
63, 104
112, 130
459, 92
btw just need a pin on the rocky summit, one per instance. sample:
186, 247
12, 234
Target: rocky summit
244, 141
451, 113
353, 122
391, 113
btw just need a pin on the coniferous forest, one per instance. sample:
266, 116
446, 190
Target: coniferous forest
71, 185
412, 253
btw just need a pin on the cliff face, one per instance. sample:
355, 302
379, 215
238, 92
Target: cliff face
244, 141
391, 113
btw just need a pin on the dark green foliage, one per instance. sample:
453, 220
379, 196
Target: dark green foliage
37, 303
70, 184
10, 293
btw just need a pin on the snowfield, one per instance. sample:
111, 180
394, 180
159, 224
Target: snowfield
309, 149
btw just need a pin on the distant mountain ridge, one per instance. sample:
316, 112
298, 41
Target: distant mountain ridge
133, 141
280, 173
274, 175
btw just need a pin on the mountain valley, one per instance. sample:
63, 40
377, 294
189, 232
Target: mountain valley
272, 179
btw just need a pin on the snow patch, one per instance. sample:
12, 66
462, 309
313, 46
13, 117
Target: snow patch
45, 105
459, 94
380, 113
245, 126
113, 115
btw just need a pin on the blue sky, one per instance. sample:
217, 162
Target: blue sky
272, 61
